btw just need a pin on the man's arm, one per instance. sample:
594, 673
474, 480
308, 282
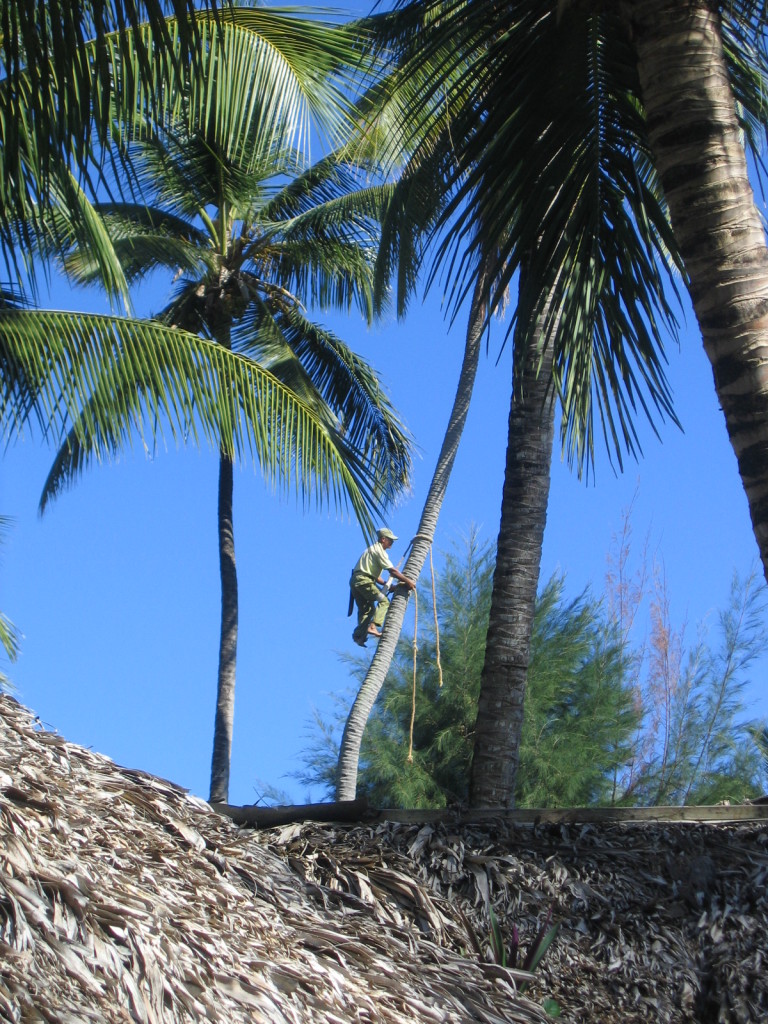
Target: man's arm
402, 579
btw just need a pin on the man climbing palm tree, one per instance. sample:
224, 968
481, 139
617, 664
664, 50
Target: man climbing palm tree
365, 584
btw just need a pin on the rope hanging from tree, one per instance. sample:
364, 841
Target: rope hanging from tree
415, 648
409, 759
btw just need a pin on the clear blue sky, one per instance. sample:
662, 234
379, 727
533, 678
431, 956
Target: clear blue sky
116, 588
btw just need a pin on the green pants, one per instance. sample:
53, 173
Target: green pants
369, 609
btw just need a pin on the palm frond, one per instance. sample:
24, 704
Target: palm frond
330, 195
412, 220
143, 239
550, 169
208, 165
747, 62
254, 80
262, 78
99, 381
57, 87
329, 376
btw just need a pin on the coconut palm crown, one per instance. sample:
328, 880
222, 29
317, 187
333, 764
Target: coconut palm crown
692, 77
249, 254
50, 364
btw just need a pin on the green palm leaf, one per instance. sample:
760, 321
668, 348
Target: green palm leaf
315, 364
261, 78
258, 79
135, 373
550, 168
57, 87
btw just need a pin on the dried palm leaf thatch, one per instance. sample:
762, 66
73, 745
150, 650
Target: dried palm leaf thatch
659, 921
124, 899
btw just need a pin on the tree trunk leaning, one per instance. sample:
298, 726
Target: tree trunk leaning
349, 753
694, 134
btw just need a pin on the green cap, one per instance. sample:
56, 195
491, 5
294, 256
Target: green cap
385, 532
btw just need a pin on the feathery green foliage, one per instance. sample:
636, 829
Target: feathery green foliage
589, 737
579, 713
586, 671
759, 734
697, 748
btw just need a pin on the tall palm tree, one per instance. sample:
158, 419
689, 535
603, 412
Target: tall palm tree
600, 307
590, 330
352, 737
223, 202
422, 163
525, 498
693, 135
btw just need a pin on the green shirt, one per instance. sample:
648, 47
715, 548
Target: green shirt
373, 561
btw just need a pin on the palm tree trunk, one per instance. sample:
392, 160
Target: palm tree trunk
349, 753
518, 558
225, 688
225, 697
694, 135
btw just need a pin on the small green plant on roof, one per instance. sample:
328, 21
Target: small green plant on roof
515, 960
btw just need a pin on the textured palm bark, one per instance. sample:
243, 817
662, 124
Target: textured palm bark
515, 581
349, 752
225, 697
694, 135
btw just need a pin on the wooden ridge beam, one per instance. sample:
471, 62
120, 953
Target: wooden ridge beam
359, 811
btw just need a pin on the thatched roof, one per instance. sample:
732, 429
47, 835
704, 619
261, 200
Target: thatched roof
124, 899
660, 922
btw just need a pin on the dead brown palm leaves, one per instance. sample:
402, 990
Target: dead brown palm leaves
660, 921
123, 899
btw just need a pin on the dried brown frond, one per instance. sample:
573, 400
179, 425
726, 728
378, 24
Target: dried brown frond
124, 899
